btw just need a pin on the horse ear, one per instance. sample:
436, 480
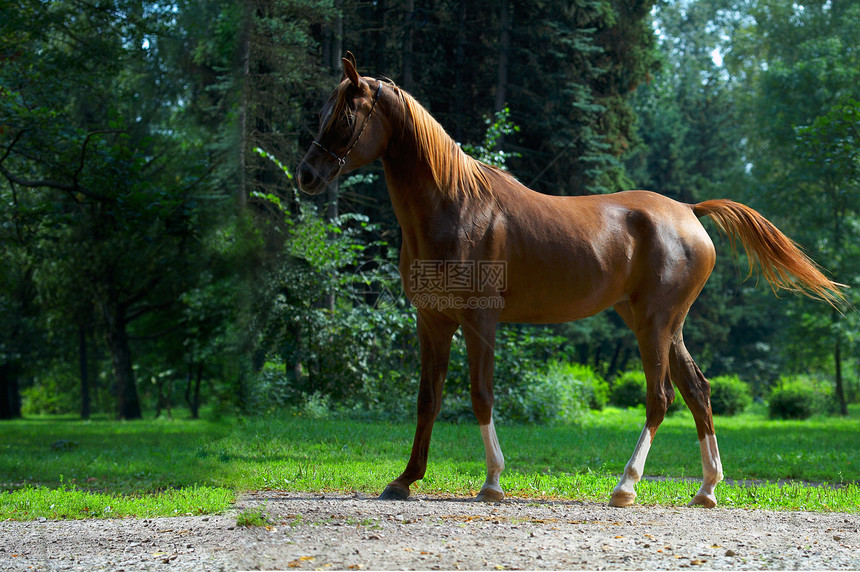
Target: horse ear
349, 56
349, 69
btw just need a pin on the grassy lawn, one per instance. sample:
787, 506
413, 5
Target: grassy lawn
60, 467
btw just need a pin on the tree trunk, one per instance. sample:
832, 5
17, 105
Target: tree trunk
128, 404
337, 37
245, 62
297, 356
504, 54
192, 390
162, 397
839, 387
335, 53
332, 58
460, 70
616, 358
10, 400
408, 40
85, 377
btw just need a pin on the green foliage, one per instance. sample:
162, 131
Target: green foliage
799, 397
559, 392
798, 73
583, 121
490, 149
523, 393
830, 144
131, 132
340, 330
729, 395
595, 389
55, 393
111, 151
550, 398
629, 389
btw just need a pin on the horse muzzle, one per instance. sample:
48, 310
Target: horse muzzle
310, 180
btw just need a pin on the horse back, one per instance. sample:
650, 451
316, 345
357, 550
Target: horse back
571, 257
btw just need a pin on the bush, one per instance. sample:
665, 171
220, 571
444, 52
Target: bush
629, 389
56, 393
538, 399
799, 397
729, 395
524, 392
594, 388
548, 399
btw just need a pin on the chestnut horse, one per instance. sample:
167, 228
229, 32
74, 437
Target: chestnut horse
480, 248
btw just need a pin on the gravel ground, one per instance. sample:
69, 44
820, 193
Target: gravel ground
349, 532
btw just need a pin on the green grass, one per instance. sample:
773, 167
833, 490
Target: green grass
68, 503
250, 518
62, 468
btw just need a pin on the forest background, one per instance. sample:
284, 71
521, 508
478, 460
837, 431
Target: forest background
155, 251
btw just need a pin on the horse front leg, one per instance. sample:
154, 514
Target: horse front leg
435, 332
480, 337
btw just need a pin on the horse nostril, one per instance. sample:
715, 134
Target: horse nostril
304, 175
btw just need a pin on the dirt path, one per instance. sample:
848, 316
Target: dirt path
347, 532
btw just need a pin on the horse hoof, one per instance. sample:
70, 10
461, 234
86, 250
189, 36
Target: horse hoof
703, 501
395, 492
489, 495
622, 498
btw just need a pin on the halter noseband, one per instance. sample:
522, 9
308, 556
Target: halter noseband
341, 159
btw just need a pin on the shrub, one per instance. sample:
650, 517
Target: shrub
548, 399
799, 397
538, 399
729, 395
57, 392
629, 389
524, 392
594, 388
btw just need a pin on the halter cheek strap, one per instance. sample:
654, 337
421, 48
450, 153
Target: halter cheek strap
341, 159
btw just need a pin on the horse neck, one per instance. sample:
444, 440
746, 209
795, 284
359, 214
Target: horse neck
415, 195
411, 186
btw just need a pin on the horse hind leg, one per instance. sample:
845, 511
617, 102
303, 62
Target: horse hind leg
696, 391
654, 348
491, 491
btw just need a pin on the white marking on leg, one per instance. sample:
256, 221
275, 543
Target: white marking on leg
624, 493
495, 459
712, 472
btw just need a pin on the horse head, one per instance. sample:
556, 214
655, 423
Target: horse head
350, 134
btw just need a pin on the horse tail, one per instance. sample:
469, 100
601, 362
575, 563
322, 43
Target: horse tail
779, 258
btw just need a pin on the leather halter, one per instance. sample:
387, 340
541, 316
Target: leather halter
341, 159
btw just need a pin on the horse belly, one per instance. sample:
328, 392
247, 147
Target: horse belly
563, 290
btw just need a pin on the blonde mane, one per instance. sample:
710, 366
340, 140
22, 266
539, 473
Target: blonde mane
454, 172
